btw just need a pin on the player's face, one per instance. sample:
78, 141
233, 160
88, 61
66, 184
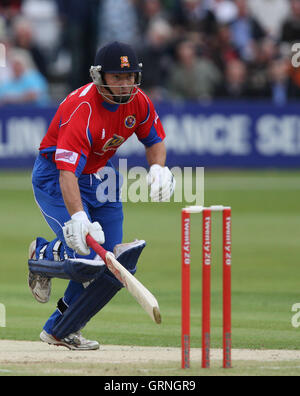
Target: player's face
121, 85
123, 81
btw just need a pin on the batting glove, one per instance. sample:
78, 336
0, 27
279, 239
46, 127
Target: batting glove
76, 230
162, 183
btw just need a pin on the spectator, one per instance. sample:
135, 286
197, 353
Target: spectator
225, 11
291, 27
156, 59
281, 86
193, 15
246, 31
266, 51
44, 19
118, 22
23, 38
79, 21
270, 14
295, 75
169, 5
290, 34
149, 12
62, 37
9, 9
27, 85
192, 77
222, 49
235, 85
6, 71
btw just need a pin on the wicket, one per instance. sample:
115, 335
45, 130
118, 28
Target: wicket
206, 283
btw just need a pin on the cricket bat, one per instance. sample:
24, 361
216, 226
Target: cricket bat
142, 295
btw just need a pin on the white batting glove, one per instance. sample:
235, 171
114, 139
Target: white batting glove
162, 183
76, 230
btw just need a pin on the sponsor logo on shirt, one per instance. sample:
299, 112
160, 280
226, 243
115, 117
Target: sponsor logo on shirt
66, 156
113, 143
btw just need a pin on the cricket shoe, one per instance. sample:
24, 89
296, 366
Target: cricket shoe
40, 286
74, 341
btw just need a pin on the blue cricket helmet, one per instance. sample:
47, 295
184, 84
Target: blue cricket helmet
116, 57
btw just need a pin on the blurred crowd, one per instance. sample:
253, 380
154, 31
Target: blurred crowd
198, 50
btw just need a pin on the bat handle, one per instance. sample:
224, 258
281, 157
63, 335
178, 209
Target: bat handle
96, 247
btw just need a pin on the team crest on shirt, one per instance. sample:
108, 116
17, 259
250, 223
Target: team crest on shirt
130, 121
113, 143
124, 62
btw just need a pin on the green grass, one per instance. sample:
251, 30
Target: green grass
265, 272
241, 368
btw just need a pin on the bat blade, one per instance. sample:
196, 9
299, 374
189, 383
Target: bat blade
141, 294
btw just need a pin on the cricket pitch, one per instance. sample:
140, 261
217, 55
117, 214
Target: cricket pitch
36, 358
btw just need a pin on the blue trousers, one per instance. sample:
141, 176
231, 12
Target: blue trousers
47, 193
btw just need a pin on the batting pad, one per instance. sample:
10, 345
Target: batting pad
85, 270
98, 293
78, 270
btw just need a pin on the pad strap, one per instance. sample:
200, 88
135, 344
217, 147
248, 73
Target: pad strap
62, 306
42, 252
56, 249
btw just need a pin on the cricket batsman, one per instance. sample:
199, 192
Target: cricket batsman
86, 131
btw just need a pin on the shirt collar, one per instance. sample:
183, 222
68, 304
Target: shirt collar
110, 106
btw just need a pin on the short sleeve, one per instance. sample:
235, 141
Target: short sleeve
74, 140
150, 130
